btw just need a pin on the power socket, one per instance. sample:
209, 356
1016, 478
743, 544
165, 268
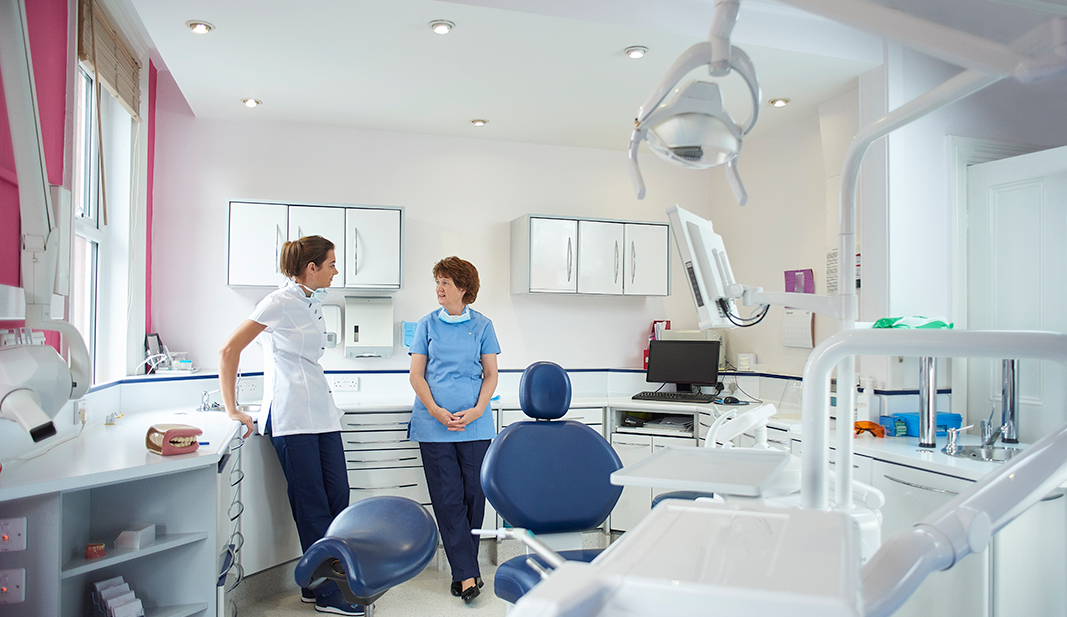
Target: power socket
344, 383
81, 411
247, 387
12, 586
12, 534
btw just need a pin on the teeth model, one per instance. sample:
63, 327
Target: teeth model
168, 439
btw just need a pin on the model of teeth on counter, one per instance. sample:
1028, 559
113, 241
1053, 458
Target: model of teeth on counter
168, 439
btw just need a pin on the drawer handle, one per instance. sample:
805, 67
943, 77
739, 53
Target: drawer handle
361, 443
240, 475
920, 486
777, 441
360, 424
388, 460
382, 488
633, 445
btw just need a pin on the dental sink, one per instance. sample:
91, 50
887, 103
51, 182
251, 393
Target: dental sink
254, 408
994, 454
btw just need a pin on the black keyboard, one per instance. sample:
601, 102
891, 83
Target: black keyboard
674, 397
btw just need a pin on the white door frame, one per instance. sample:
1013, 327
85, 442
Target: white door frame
964, 152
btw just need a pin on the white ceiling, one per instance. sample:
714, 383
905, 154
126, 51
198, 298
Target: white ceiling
541, 71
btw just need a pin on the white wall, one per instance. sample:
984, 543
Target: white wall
460, 196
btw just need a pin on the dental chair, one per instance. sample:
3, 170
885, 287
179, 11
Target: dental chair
547, 476
372, 546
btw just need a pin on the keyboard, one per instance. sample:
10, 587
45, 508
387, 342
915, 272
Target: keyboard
674, 397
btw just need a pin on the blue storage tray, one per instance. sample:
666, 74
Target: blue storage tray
943, 422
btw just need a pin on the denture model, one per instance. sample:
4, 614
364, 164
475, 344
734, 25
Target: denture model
168, 439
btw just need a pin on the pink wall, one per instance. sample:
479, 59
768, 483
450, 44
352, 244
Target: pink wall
47, 20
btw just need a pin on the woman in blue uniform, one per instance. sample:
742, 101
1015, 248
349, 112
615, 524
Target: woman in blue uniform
303, 421
454, 374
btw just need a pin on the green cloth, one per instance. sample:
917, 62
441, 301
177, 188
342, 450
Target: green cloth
917, 322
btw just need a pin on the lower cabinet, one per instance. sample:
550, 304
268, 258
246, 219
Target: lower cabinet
380, 459
1016, 576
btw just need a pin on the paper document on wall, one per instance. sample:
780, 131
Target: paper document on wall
797, 329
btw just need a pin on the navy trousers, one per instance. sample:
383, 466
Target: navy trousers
314, 467
453, 475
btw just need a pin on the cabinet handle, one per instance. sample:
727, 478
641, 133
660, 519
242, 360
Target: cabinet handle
633, 261
382, 488
278, 240
355, 251
240, 476
777, 441
299, 231
920, 486
388, 460
240, 510
360, 425
616, 261
360, 443
626, 443
568, 260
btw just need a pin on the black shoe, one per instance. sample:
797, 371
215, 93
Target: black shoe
470, 593
457, 586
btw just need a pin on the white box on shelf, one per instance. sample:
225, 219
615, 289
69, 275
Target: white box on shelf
138, 537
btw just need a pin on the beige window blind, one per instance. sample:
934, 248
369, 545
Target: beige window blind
116, 67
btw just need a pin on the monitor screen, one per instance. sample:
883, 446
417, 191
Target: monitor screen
683, 362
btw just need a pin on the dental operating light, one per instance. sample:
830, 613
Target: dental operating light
688, 125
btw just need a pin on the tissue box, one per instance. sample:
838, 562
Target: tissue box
942, 422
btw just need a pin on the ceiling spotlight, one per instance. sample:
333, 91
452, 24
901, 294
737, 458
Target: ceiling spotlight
441, 26
636, 51
778, 102
479, 122
252, 102
199, 27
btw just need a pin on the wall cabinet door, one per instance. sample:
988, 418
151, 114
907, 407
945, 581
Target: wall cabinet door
321, 221
256, 235
553, 255
647, 255
600, 256
372, 248
910, 495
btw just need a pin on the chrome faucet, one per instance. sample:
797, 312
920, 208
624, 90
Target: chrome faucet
1009, 401
989, 433
205, 400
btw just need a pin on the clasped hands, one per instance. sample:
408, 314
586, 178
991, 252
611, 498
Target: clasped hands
459, 420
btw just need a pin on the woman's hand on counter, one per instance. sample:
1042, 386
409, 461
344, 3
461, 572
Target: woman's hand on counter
243, 418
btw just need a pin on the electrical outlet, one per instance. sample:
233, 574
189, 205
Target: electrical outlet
247, 387
731, 387
12, 534
12, 586
344, 383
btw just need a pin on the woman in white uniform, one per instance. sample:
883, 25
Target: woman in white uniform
303, 421
454, 374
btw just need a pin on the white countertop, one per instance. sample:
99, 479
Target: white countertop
104, 454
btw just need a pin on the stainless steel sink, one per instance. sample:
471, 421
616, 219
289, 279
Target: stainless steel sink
994, 454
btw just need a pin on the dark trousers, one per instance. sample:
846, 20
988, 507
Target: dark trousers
453, 471
314, 467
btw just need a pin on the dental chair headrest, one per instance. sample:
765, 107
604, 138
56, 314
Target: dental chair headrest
545, 391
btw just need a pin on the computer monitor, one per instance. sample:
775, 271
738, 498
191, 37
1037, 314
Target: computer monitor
683, 363
706, 266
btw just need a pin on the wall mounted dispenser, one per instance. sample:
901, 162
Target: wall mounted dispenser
368, 327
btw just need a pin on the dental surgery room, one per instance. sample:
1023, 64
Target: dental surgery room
762, 305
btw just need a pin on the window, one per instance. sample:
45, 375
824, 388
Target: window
85, 201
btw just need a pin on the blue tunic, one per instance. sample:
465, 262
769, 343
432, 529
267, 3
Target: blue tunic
454, 374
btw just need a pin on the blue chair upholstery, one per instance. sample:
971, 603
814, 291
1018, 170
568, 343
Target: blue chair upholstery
547, 475
372, 546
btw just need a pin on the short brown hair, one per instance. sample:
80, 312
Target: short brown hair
463, 274
297, 254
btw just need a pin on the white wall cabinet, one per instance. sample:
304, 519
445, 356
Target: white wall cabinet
368, 240
589, 256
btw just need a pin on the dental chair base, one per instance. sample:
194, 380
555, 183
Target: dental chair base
372, 546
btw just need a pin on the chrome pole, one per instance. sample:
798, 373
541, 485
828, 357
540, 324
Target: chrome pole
927, 402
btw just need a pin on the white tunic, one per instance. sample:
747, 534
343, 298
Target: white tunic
294, 385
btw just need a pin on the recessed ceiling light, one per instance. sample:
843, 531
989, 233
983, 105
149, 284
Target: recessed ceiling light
199, 27
442, 26
779, 102
636, 51
479, 122
252, 102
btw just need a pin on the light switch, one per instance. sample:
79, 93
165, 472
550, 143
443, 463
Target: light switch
12, 534
12, 586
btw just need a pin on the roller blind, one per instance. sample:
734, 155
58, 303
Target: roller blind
115, 65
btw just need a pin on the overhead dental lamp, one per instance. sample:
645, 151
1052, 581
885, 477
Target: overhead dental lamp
688, 125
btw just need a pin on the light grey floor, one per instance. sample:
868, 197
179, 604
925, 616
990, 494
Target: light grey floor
425, 595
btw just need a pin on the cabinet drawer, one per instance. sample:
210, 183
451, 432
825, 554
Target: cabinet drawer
861, 466
375, 421
591, 417
371, 459
385, 479
374, 440
414, 492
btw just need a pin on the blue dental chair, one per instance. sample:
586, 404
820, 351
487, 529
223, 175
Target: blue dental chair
547, 475
372, 546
